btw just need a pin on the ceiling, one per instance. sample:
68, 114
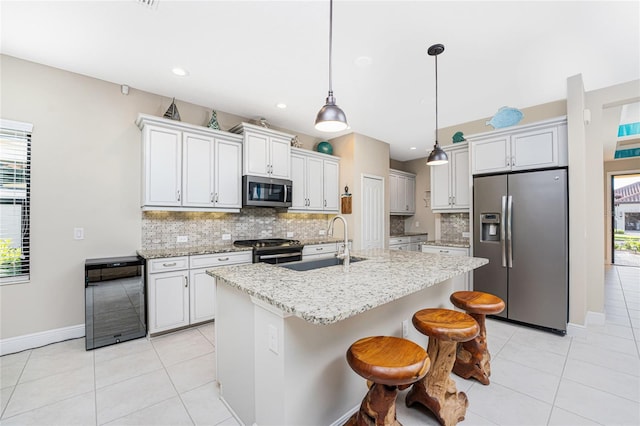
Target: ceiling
243, 57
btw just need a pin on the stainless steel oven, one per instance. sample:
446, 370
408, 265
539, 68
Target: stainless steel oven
273, 250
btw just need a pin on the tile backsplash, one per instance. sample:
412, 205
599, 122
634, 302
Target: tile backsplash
452, 225
160, 229
396, 226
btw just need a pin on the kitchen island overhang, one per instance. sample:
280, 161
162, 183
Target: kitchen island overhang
282, 335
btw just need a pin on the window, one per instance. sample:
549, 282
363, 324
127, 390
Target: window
15, 188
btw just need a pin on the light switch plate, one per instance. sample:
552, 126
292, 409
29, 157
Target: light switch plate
289, 234
465, 235
322, 232
78, 233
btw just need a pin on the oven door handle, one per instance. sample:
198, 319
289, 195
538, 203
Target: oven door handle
279, 256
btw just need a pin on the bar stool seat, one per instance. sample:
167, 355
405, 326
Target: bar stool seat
388, 363
437, 391
473, 357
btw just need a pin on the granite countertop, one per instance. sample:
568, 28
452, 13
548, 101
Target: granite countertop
190, 251
327, 295
409, 234
448, 243
218, 248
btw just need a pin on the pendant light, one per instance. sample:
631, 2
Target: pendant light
330, 117
437, 156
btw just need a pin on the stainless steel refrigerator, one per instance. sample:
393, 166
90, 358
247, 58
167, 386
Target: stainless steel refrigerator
521, 225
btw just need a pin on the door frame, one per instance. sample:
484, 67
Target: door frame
609, 224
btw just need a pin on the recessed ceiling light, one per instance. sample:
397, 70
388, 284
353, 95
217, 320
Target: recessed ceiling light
281, 105
180, 72
412, 148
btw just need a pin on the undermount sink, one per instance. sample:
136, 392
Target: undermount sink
315, 264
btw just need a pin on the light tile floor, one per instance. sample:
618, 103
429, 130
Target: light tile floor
537, 378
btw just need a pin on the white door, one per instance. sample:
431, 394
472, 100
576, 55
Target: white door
256, 154
331, 190
315, 184
168, 300
299, 179
372, 212
202, 293
460, 178
280, 158
162, 163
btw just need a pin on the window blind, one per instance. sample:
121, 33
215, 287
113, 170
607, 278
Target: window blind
15, 194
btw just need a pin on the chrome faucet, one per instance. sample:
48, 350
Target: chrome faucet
345, 254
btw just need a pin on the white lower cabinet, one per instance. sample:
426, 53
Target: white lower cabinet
180, 291
460, 282
399, 243
319, 251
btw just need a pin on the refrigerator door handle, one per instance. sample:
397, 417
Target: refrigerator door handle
509, 228
503, 231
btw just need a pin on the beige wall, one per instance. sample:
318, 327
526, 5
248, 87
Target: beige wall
86, 173
362, 155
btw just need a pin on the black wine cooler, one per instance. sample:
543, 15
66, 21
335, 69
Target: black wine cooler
115, 303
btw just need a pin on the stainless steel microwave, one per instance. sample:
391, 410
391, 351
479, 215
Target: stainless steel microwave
258, 191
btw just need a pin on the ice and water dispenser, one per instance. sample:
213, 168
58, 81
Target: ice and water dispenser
489, 227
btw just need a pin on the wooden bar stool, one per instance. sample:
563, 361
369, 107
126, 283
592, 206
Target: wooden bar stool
388, 363
437, 391
472, 358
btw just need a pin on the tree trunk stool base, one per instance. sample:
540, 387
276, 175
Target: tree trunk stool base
388, 364
437, 391
473, 357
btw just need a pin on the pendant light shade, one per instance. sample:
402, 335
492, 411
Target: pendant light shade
437, 156
331, 118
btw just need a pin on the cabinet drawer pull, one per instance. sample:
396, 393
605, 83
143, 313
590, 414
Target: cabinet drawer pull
169, 264
319, 248
178, 192
223, 259
444, 251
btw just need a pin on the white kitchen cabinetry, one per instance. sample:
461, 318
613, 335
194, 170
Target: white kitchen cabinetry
399, 243
402, 193
189, 168
315, 178
265, 152
534, 146
319, 251
459, 282
415, 240
450, 182
180, 291
168, 293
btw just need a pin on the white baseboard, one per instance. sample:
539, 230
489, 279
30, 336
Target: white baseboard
35, 340
595, 318
343, 419
576, 330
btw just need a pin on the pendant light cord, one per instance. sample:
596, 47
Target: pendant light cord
436, 57
330, 44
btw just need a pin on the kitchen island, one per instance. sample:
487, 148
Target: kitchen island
282, 335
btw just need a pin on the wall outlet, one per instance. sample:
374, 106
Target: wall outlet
78, 233
322, 232
226, 237
465, 235
182, 239
289, 234
417, 224
405, 329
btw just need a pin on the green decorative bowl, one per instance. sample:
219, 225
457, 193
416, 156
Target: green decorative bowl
325, 148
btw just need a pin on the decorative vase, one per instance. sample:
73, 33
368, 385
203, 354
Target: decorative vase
325, 148
172, 113
213, 123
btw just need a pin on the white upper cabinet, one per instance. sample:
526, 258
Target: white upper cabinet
315, 179
402, 193
187, 167
533, 146
450, 181
266, 152
162, 154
